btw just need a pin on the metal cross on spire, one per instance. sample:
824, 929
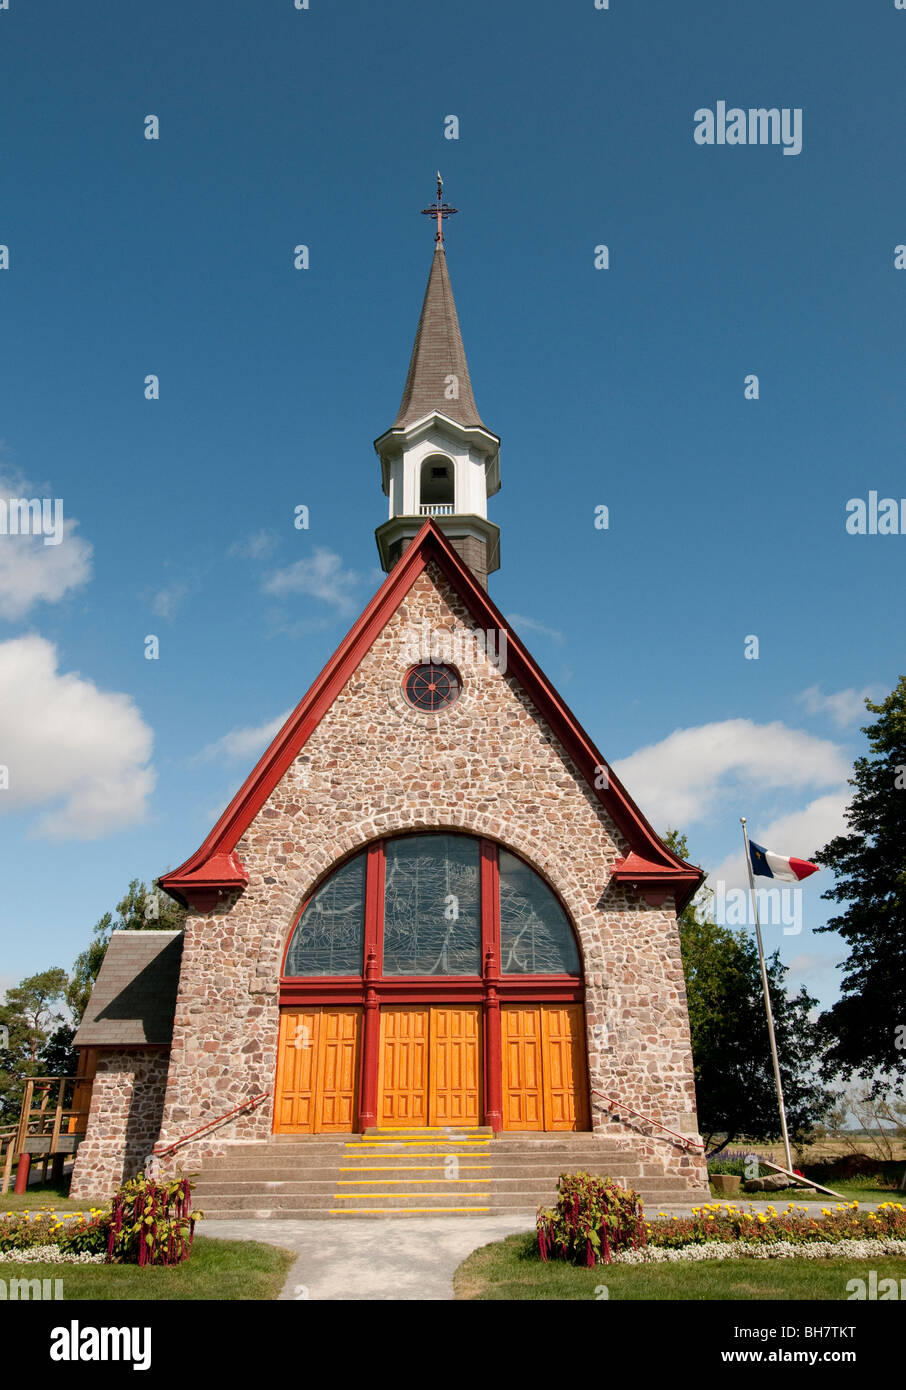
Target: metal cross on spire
440, 210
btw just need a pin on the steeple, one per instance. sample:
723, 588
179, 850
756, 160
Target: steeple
438, 458
438, 376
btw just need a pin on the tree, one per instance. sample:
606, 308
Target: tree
866, 1027
734, 1076
33, 1002
31, 1017
140, 909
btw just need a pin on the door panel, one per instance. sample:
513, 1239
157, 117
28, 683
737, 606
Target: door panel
337, 1070
544, 1076
403, 1081
317, 1070
455, 1066
563, 1051
523, 1106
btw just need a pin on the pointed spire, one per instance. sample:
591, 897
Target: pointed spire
438, 377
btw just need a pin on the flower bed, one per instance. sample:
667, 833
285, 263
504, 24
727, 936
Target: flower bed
49, 1255
724, 1222
596, 1222
755, 1250
146, 1223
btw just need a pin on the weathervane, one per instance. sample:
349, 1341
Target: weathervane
440, 210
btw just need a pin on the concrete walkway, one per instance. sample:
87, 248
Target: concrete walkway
371, 1260
406, 1258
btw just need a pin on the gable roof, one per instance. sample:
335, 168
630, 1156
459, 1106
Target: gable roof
134, 996
215, 867
437, 354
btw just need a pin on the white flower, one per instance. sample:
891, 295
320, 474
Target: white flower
750, 1250
48, 1255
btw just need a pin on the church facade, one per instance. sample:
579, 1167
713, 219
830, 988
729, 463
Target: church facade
432, 903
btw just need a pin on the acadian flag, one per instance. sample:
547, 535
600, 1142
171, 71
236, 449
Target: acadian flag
771, 865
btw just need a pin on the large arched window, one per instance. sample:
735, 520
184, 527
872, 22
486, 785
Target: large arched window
440, 904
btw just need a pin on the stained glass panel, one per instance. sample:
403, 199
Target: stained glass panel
535, 934
431, 906
330, 935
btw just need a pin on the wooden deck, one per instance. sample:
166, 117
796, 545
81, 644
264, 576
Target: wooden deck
52, 1124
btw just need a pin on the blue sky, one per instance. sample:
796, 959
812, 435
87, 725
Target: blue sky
622, 387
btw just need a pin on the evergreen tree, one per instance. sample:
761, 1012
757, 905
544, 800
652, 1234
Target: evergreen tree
866, 1028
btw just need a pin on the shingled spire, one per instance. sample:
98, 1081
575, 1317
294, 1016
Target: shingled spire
438, 377
439, 459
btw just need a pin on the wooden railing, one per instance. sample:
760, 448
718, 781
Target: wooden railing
45, 1116
38, 1121
615, 1104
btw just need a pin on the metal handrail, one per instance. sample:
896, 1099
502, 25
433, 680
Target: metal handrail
246, 1104
613, 1102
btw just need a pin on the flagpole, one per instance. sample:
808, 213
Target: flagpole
767, 998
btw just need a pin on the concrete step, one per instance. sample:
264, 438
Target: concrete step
437, 1131
523, 1209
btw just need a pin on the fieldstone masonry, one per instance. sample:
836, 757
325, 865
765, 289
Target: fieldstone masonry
127, 1101
487, 765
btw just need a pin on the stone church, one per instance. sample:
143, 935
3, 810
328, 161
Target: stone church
431, 916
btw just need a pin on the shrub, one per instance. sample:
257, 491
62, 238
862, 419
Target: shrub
593, 1218
149, 1222
21, 1230
733, 1167
84, 1236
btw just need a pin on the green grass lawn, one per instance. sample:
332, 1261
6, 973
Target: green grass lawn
216, 1269
47, 1195
512, 1270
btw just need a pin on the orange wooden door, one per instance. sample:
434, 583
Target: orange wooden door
523, 1102
563, 1061
403, 1072
317, 1071
455, 1066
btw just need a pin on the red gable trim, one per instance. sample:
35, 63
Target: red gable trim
215, 867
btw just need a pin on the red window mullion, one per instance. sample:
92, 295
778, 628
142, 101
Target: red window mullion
374, 906
490, 909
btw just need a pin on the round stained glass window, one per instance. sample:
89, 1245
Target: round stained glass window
431, 687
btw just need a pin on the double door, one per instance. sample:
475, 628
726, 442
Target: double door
317, 1071
544, 1075
429, 1069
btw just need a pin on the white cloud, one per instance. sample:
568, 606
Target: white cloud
83, 750
322, 576
254, 547
518, 620
844, 708
32, 572
689, 774
242, 743
166, 601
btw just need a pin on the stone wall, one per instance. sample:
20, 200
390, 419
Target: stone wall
488, 765
127, 1101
